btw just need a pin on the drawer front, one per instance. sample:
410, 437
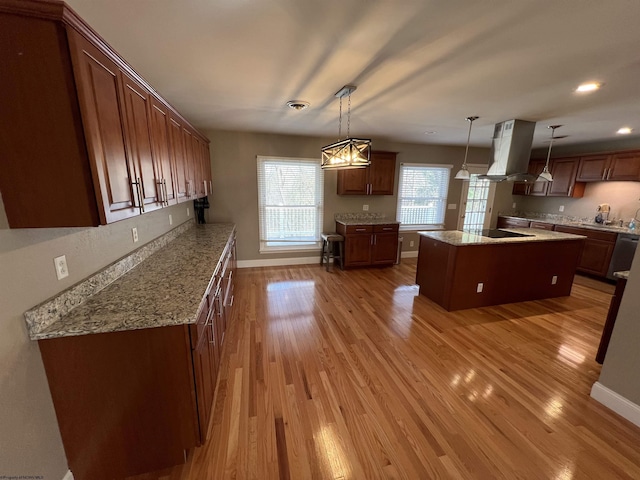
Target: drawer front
389, 228
542, 225
359, 229
592, 234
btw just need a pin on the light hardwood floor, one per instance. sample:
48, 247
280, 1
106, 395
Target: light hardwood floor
354, 375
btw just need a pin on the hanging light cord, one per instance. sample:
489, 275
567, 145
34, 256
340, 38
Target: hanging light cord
340, 121
466, 152
349, 118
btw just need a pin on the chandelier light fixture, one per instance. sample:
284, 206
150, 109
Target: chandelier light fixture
546, 174
350, 152
463, 173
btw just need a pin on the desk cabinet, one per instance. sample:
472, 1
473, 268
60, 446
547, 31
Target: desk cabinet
369, 245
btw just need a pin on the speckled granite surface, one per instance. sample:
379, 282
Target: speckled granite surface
363, 219
622, 274
569, 221
458, 238
162, 290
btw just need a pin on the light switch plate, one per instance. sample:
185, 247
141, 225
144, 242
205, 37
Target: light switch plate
480, 288
554, 280
134, 233
61, 267
452, 206
170, 220
561, 208
514, 205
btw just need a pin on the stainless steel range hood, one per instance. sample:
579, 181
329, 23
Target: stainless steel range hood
510, 152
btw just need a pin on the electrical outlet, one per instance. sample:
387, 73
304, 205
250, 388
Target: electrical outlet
479, 288
365, 208
514, 205
411, 243
61, 267
554, 280
187, 211
561, 209
170, 220
134, 232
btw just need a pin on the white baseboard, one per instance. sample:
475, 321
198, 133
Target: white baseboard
68, 475
616, 402
277, 262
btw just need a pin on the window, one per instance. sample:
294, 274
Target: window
422, 195
290, 203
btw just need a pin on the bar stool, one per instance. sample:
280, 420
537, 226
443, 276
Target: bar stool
328, 246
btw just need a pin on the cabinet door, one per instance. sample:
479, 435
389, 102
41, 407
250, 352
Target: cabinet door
162, 152
187, 138
625, 166
357, 249
593, 168
353, 181
382, 173
99, 92
596, 256
385, 248
205, 387
537, 189
563, 171
180, 164
136, 100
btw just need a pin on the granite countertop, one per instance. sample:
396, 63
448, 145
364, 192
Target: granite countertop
622, 274
164, 289
572, 223
363, 218
458, 238
367, 221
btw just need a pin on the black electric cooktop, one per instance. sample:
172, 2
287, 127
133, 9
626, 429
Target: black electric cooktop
496, 233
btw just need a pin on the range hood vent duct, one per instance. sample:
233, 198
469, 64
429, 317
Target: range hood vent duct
510, 152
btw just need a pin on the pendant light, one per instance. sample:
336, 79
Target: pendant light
463, 173
546, 174
350, 152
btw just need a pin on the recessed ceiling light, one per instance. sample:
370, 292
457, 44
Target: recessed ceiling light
588, 87
624, 131
297, 104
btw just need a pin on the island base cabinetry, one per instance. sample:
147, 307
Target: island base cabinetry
469, 276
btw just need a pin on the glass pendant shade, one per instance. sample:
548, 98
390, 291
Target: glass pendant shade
463, 173
349, 153
545, 176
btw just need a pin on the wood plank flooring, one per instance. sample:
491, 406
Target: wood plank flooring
353, 375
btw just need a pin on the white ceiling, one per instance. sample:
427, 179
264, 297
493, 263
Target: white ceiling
420, 65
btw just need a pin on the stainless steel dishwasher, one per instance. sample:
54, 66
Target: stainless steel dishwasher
623, 252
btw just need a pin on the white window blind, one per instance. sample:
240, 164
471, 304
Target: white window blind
290, 203
422, 195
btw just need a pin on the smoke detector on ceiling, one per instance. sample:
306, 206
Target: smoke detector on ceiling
297, 104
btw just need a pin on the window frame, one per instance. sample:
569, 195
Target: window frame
272, 245
444, 197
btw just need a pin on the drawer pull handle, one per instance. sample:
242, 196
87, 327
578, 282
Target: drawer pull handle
361, 229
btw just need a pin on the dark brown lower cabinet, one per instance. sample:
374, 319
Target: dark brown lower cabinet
597, 251
369, 245
614, 306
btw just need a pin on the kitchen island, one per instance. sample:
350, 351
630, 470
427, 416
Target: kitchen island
459, 270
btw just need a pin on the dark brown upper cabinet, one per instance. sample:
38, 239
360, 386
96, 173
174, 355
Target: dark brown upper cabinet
376, 179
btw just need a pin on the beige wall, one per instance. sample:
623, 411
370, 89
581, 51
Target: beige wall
30, 441
235, 197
